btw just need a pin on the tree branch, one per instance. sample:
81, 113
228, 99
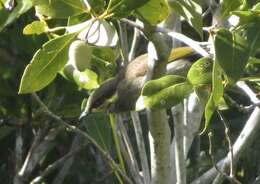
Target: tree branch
84, 134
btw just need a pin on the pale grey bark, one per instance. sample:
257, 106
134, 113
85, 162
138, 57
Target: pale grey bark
180, 165
18, 155
141, 147
159, 137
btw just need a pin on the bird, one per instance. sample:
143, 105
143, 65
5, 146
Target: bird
120, 93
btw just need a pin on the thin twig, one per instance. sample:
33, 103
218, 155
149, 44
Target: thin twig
128, 151
84, 134
227, 134
231, 179
123, 42
181, 37
56, 164
77, 143
136, 39
141, 146
18, 154
242, 108
101, 180
27, 168
212, 157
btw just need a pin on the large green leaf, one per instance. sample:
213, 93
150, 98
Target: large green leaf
97, 5
59, 8
122, 8
191, 11
216, 94
228, 6
7, 17
153, 12
46, 63
200, 72
252, 34
97, 126
232, 53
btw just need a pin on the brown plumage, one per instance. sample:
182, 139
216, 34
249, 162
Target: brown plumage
126, 85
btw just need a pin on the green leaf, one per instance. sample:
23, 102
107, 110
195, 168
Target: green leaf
200, 72
232, 53
45, 64
97, 126
253, 60
97, 5
168, 97
216, 95
7, 17
123, 8
153, 12
245, 17
59, 8
191, 11
228, 6
5, 131
36, 27
252, 34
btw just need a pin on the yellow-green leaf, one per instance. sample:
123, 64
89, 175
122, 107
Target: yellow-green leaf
153, 12
36, 27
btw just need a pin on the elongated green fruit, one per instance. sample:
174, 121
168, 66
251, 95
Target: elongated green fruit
168, 97
155, 86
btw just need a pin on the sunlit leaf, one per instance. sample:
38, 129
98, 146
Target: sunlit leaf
153, 12
46, 63
36, 27
123, 8
228, 6
59, 8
